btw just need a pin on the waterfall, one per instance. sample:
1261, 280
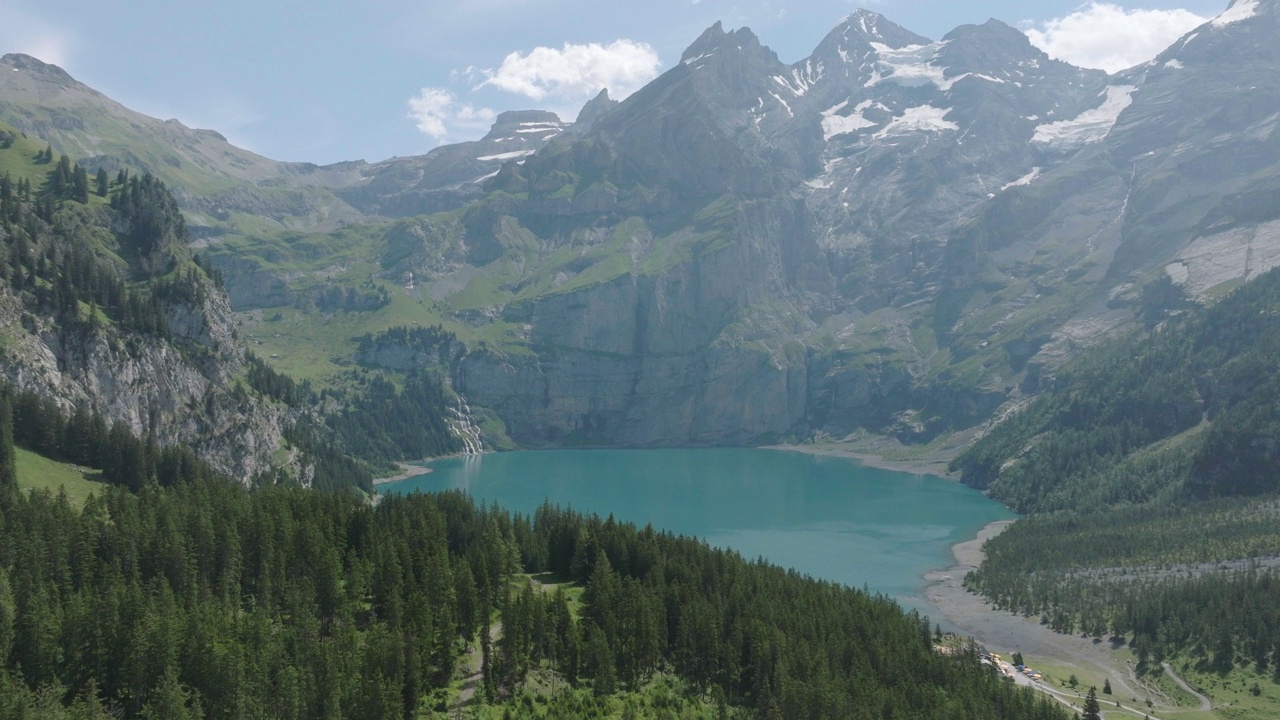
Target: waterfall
465, 428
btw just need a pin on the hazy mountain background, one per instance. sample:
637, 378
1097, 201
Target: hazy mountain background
893, 235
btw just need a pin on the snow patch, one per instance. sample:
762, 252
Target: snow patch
908, 66
926, 118
802, 78
834, 124
506, 155
703, 56
912, 66
1024, 180
784, 103
1090, 125
1239, 10
1173, 64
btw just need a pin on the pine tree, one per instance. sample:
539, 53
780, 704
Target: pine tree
80, 184
8, 615
103, 182
1106, 686
1091, 709
172, 701
8, 459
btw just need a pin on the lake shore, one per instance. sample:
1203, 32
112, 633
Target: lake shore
1005, 632
406, 471
937, 468
946, 589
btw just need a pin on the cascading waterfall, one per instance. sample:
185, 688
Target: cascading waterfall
465, 428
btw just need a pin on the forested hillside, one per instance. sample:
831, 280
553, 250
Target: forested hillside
109, 315
1151, 472
1190, 410
202, 599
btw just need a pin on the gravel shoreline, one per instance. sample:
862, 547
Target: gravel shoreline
1005, 632
407, 471
915, 467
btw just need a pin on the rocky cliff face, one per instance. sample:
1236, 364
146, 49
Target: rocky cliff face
893, 234
697, 352
963, 214
181, 391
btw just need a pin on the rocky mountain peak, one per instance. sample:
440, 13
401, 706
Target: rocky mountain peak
1241, 10
852, 43
526, 124
715, 39
992, 31
1223, 37
868, 26
998, 50
19, 62
595, 107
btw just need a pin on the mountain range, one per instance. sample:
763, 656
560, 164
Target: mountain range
893, 235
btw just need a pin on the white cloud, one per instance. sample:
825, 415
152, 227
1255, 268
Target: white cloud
1107, 36
25, 33
576, 71
438, 113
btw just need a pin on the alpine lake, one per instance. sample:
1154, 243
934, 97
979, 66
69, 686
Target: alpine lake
829, 517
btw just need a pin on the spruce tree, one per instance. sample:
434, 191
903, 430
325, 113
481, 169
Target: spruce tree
8, 616
80, 184
8, 459
1091, 709
1106, 686
104, 183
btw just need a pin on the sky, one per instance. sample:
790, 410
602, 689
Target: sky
329, 80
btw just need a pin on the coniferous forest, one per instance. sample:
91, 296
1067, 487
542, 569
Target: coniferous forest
113, 263
174, 593
1150, 469
201, 599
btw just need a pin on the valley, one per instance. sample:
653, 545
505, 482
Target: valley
1029, 287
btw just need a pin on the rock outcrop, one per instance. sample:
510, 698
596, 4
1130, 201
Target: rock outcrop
179, 391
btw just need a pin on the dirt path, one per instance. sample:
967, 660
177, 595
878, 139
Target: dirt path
473, 664
1075, 700
1205, 704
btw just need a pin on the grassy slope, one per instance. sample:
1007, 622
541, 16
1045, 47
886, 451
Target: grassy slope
320, 346
18, 161
36, 472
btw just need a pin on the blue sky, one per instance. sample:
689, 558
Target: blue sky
324, 81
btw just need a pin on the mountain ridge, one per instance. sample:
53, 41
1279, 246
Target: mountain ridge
893, 235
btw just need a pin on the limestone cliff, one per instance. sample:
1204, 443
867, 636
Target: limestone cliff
179, 391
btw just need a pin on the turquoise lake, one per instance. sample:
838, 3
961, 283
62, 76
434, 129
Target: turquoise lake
828, 517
